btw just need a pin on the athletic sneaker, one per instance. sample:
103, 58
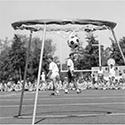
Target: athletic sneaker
66, 91
57, 92
73, 88
78, 91
54, 93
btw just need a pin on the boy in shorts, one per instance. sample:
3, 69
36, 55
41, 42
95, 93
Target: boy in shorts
53, 75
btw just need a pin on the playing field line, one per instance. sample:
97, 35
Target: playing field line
68, 98
72, 104
10, 94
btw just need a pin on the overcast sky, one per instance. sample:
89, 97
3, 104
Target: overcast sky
11, 11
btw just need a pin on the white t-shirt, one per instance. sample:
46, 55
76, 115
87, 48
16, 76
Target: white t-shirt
112, 72
53, 67
100, 72
43, 76
70, 64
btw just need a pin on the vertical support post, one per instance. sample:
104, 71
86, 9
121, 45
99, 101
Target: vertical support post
113, 33
60, 56
100, 60
25, 73
39, 73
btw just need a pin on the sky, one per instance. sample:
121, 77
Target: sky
16, 10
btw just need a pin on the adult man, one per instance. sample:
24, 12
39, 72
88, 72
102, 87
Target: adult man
53, 75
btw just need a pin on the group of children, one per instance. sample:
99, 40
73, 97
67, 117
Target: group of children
113, 79
53, 82
81, 83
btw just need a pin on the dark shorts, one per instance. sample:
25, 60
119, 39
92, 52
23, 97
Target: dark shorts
70, 76
100, 77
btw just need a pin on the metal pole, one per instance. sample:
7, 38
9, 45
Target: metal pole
100, 64
39, 73
113, 33
25, 73
60, 56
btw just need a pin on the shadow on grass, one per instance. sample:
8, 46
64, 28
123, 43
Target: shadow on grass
61, 114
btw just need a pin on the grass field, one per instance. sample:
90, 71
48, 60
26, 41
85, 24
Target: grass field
88, 107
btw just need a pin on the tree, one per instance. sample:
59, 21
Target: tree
4, 44
13, 59
49, 49
88, 57
17, 55
106, 55
4, 63
116, 52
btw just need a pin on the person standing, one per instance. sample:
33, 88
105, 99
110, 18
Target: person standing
70, 73
100, 74
53, 75
111, 71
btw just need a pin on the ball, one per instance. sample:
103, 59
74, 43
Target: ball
111, 61
73, 42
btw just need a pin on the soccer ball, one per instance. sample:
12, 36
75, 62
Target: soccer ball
73, 42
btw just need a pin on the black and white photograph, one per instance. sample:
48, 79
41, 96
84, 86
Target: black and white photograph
62, 62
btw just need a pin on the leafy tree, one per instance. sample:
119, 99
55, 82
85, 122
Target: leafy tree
17, 55
88, 57
4, 44
116, 52
4, 63
49, 49
106, 55
13, 59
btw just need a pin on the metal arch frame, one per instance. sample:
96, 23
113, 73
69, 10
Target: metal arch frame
110, 24
20, 25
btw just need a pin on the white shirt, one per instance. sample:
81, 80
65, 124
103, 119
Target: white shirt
112, 71
43, 76
70, 64
100, 71
53, 67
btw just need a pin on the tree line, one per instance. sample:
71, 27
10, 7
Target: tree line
13, 57
89, 56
